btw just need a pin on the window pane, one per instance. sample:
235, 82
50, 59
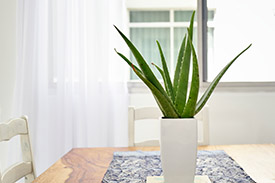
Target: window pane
183, 16
210, 15
235, 29
149, 16
145, 40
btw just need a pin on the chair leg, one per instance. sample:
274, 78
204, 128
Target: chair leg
29, 178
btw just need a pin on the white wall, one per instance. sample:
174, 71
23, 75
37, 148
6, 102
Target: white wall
7, 74
7, 56
235, 117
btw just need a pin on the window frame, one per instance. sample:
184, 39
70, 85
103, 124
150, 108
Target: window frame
136, 86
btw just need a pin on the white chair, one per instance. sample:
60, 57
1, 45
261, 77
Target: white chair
18, 126
136, 115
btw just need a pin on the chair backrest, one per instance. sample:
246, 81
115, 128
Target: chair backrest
18, 126
153, 113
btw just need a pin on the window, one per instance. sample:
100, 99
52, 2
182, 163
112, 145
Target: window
231, 28
237, 24
166, 26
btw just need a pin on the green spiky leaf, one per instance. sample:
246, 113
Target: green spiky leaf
162, 75
179, 63
190, 106
160, 70
166, 76
181, 90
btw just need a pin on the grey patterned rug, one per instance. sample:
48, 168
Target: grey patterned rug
135, 166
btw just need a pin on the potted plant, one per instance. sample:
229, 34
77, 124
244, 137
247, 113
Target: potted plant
178, 104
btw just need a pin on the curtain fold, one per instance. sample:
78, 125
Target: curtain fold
69, 81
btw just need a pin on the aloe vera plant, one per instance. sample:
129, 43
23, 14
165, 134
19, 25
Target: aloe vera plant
176, 100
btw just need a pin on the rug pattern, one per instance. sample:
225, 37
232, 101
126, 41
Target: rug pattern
135, 166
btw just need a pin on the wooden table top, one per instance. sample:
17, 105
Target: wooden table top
90, 164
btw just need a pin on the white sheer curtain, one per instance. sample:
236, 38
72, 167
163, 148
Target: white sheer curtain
69, 81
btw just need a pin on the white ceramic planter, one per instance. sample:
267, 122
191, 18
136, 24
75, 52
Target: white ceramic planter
178, 147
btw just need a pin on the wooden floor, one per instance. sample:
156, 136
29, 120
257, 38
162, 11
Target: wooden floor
90, 164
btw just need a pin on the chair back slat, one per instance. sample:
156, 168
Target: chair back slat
12, 128
18, 126
137, 114
26, 149
147, 113
16, 172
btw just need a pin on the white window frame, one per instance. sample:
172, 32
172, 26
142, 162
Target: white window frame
136, 86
